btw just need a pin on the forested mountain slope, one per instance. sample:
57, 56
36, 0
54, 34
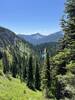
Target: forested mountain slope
52, 48
9, 39
13, 50
14, 62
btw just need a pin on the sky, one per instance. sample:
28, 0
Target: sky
31, 16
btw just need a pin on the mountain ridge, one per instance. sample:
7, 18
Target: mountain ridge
38, 38
9, 40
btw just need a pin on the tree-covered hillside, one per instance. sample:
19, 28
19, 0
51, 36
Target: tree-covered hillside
52, 48
13, 50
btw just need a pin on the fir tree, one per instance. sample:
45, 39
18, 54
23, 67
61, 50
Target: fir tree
30, 77
46, 77
1, 55
37, 77
59, 88
21, 68
68, 24
24, 68
68, 44
14, 67
5, 63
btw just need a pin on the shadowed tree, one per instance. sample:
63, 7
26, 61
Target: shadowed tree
37, 76
30, 77
5, 63
14, 67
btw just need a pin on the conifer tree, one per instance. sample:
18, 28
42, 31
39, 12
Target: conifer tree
37, 77
46, 77
21, 68
68, 44
24, 68
30, 77
5, 63
59, 88
1, 55
14, 67
68, 24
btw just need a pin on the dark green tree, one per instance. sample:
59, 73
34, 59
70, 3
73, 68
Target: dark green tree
68, 44
30, 77
46, 76
5, 63
68, 24
14, 66
62, 68
59, 88
24, 68
37, 76
20, 67
1, 55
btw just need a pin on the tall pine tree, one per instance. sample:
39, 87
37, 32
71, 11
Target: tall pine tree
67, 54
14, 69
46, 76
30, 77
24, 68
1, 55
5, 63
37, 76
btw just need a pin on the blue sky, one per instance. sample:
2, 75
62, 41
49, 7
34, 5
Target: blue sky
31, 16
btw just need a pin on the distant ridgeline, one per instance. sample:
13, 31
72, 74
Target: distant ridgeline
37, 39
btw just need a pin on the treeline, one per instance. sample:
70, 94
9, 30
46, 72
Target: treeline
27, 69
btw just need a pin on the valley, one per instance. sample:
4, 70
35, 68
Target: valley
14, 56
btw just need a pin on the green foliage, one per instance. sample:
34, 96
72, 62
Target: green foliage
14, 67
8, 76
24, 68
5, 63
46, 77
64, 61
59, 88
1, 73
71, 67
30, 77
51, 47
1, 64
37, 77
1, 55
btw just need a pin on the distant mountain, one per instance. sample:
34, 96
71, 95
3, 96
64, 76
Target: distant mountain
33, 39
37, 38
